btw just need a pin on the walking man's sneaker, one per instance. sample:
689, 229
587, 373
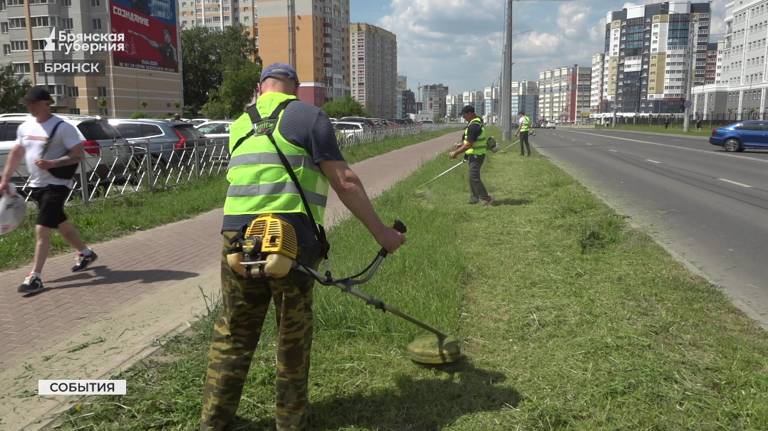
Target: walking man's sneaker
31, 284
488, 202
83, 261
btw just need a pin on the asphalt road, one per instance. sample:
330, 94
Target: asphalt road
707, 207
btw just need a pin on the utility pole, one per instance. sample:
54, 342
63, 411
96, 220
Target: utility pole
292, 33
689, 78
506, 83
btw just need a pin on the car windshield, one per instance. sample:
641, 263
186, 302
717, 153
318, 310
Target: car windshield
8, 131
98, 130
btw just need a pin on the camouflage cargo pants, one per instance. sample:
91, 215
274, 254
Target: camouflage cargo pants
236, 335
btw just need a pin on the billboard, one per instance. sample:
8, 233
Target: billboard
149, 27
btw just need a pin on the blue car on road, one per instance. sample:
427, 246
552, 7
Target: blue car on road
741, 135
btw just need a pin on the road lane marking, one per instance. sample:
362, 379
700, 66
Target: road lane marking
736, 183
675, 147
589, 144
653, 161
613, 151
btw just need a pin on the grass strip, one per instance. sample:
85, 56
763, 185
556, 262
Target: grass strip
571, 320
673, 129
108, 219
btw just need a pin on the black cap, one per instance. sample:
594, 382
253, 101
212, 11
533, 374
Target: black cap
36, 94
469, 109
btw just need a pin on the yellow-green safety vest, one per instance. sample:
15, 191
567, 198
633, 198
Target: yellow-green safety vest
258, 181
525, 124
480, 146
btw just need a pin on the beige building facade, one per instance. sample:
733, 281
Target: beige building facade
374, 69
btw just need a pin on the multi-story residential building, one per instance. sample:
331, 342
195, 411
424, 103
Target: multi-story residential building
433, 100
409, 103
476, 99
710, 70
402, 85
143, 74
740, 90
374, 69
453, 105
564, 93
649, 50
218, 14
492, 105
313, 36
525, 97
598, 83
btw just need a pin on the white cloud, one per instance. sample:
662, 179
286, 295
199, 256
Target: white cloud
460, 42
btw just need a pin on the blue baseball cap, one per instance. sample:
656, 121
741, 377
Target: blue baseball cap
279, 71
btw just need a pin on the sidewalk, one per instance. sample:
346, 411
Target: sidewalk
143, 288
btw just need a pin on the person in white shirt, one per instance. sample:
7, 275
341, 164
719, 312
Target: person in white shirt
52, 150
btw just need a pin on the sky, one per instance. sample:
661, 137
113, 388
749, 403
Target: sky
459, 42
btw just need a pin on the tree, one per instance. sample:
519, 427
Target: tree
207, 55
12, 90
346, 107
237, 89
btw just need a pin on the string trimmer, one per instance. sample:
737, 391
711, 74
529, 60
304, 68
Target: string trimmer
435, 349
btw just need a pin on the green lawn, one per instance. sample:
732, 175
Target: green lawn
113, 218
570, 320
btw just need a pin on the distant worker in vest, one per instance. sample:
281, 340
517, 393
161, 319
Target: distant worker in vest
474, 146
523, 128
277, 133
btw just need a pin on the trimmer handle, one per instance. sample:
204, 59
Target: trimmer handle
398, 226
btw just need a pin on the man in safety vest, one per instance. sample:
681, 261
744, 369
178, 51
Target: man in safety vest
261, 184
474, 144
523, 128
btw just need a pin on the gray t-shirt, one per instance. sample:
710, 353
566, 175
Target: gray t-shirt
310, 128
33, 136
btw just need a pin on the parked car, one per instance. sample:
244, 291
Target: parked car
161, 135
367, 122
102, 142
215, 129
198, 121
740, 136
349, 131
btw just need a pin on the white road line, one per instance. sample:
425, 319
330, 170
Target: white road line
613, 151
676, 147
653, 161
736, 183
589, 144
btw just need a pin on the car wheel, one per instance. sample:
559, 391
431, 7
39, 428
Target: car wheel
732, 145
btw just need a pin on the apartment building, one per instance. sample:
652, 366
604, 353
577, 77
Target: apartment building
740, 91
218, 14
564, 93
710, 70
453, 105
134, 64
598, 83
314, 37
649, 50
491, 105
374, 69
525, 97
476, 99
433, 101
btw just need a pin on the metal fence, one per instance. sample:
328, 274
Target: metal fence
126, 169
676, 120
348, 139
122, 170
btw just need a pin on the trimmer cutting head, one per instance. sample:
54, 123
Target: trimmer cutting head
434, 350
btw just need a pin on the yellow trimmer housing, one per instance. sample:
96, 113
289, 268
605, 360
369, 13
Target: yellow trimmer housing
268, 249
277, 236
